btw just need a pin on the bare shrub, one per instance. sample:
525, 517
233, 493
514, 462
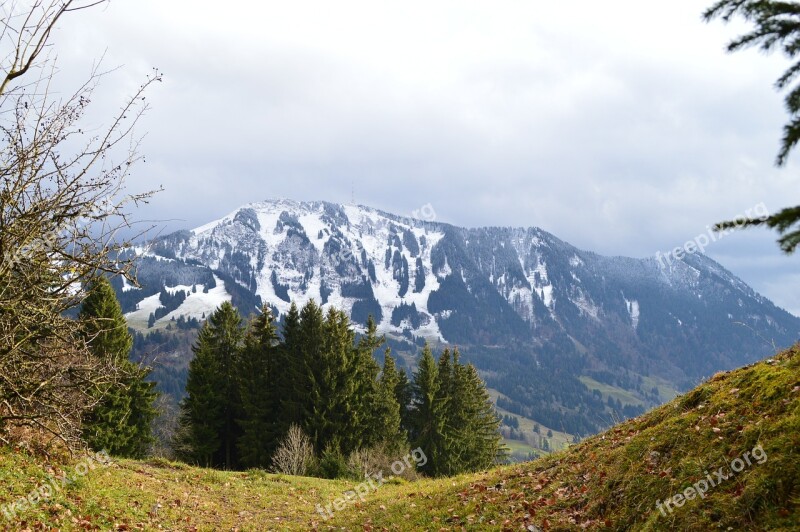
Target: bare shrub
379, 458
62, 203
295, 454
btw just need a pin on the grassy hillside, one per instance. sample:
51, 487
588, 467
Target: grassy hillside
746, 420
616, 479
520, 450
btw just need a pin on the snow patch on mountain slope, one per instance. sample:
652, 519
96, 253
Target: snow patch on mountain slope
542, 284
196, 305
210, 226
140, 251
367, 226
633, 311
586, 305
445, 270
144, 308
126, 286
373, 232
521, 300
313, 224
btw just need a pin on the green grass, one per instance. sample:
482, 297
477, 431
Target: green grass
624, 396
611, 481
129, 495
665, 390
520, 450
559, 440
614, 480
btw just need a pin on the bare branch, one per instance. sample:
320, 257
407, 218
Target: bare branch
60, 213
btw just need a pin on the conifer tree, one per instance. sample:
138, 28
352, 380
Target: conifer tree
143, 411
475, 441
212, 406
427, 416
776, 25
336, 424
120, 423
257, 388
453, 420
446, 444
403, 393
291, 381
309, 346
103, 323
385, 427
368, 398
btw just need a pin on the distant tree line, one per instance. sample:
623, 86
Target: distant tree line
251, 394
511, 421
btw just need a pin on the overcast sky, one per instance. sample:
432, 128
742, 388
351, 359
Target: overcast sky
621, 126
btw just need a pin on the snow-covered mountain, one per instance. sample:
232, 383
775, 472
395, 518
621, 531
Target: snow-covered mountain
523, 289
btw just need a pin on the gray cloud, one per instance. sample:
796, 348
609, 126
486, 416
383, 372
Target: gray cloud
621, 126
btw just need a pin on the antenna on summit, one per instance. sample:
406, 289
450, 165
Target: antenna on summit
352, 193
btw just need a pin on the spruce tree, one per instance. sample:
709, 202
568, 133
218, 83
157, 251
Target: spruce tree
103, 324
291, 382
404, 394
475, 441
776, 25
335, 423
446, 444
453, 420
311, 394
368, 398
201, 421
386, 427
209, 412
143, 396
257, 388
121, 421
427, 416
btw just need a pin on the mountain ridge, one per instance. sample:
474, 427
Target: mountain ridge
554, 312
